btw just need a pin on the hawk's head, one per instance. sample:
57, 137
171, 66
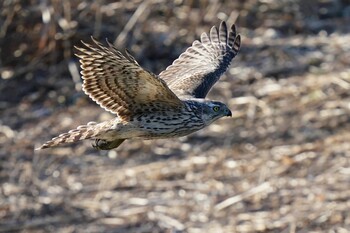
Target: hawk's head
213, 110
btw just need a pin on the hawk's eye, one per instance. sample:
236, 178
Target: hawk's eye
216, 108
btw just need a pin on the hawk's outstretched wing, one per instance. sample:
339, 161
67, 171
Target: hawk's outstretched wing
202, 64
119, 84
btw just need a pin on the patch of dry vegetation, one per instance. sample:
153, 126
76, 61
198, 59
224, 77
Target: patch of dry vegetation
281, 164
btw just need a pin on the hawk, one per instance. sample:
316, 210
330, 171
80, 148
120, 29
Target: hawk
149, 106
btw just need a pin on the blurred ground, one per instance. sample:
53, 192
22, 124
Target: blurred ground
281, 164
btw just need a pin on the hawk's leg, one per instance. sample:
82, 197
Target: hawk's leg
101, 144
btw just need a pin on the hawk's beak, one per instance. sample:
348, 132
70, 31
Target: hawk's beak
229, 113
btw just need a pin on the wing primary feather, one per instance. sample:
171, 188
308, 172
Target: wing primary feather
223, 33
232, 36
233, 30
214, 34
237, 44
204, 38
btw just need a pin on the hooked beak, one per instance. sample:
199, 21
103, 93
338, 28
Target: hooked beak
229, 113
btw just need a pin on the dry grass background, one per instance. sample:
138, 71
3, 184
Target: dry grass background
281, 164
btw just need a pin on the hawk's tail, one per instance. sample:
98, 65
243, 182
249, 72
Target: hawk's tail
91, 130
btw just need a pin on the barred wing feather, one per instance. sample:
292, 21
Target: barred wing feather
201, 65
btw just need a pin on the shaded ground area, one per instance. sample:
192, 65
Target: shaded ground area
281, 164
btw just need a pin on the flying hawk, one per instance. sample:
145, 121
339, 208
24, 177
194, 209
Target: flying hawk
149, 106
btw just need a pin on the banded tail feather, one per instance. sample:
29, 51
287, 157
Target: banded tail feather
89, 131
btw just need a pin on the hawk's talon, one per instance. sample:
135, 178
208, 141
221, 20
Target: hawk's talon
95, 144
101, 144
